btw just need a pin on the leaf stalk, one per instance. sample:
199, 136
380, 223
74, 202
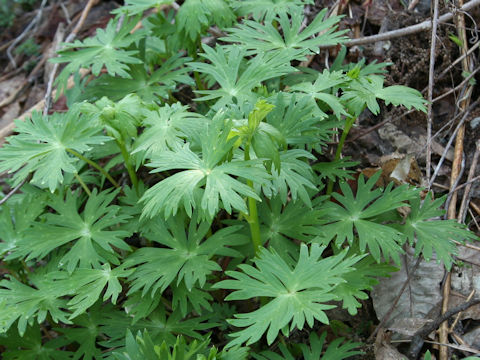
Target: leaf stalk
128, 164
82, 183
252, 219
348, 125
95, 165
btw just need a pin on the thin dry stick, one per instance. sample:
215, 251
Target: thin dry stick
443, 331
475, 207
413, 4
431, 79
81, 21
457, 318
463, 348
29, 27
13, 191
471, 50
467, 245
395, 302
457, 163
469, 182
455, 184
459, 86
473, 218
449, 143
48, 94
462, 213
409, 30
418, 338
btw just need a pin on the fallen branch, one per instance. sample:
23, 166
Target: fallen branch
409, 30
418, 338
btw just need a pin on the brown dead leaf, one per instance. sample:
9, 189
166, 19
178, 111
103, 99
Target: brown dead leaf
420, 296
383, 350
388, 352
401, 169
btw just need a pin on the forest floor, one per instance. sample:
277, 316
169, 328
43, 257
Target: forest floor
437, 150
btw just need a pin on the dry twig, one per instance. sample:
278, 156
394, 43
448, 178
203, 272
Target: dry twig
409, 30
431, 79
462, 213
29, 27
418, 338
458, 162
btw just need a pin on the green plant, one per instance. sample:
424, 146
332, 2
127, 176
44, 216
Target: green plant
155, 229
11, 8
29, 47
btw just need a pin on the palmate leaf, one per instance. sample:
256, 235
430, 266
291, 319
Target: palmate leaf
106, 49
184, 256
293, 220
224, 68
88, 284
334, 170
150, 86
338, 349
294, 177
27, 303
267, 9
209, 171
134, 7
364, 92
41, 147
14, 223
85, 332
31, 347
293, 118
139, 307
258, 38
90, 231
359, 212
191, 299
429, 235
299, 294
362, 279
166, 128
281, 224
161, 326
143, 348
321, 90
194, 16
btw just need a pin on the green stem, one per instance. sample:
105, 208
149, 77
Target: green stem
348, 125
82, 183
253, 221
128, 164
198, 81
95, 165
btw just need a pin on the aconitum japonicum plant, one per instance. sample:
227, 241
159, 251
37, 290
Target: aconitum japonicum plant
153, 224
